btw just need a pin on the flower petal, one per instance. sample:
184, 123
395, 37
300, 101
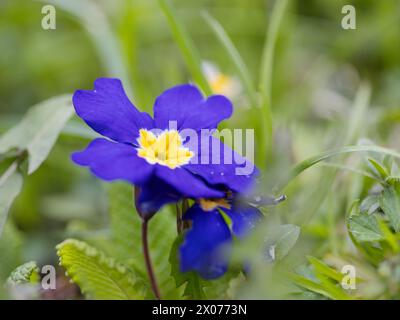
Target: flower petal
185, 105
244, 219
176, 104
113, 161
232, 171
154, 194
187, 184
208, 115
207, 244
108, 111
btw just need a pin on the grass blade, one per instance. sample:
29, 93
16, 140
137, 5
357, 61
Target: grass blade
266, 72
234, 54
309, 162
186, 46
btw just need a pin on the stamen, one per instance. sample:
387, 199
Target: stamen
165, 149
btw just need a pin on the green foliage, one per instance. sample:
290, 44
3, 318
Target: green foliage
26, 273
280, 240
371, 226
127, 243
35, 134
308, 163
308, 70
365, 227
38, 130
390, 203
99, 276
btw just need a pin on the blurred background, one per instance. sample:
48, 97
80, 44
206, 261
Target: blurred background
319, 70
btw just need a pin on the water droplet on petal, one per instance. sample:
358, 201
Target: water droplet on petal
222, 173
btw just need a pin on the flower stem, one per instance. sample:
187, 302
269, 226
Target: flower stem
147, 259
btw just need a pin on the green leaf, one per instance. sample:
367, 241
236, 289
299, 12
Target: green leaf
390, 204
365, 227
234, 55
97, 275
381, 170
38, 130
325, 288
186, 46
389, 236
24, 274
321, 268
127, 241
280, 240
370, 204
10, 186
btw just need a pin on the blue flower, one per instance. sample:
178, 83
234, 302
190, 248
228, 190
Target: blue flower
164, 164
207, 245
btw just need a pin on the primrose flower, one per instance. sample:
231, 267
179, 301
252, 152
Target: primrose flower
207, 245
149, 153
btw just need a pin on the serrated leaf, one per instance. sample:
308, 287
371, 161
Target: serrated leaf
97, 275
127, 242
370, 204
390, 204
38, 130
364, 227
28, 273
280, 240
10, 186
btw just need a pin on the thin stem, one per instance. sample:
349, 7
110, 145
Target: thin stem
147, 259
178, 219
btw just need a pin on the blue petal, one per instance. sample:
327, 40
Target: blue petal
186, 183
208, 115
186, 105
206, 248
220, 165
108, 111
244, 219
114, 161
154, 194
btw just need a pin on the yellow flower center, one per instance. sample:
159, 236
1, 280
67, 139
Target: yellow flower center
165, 149
211, 204
221, 83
